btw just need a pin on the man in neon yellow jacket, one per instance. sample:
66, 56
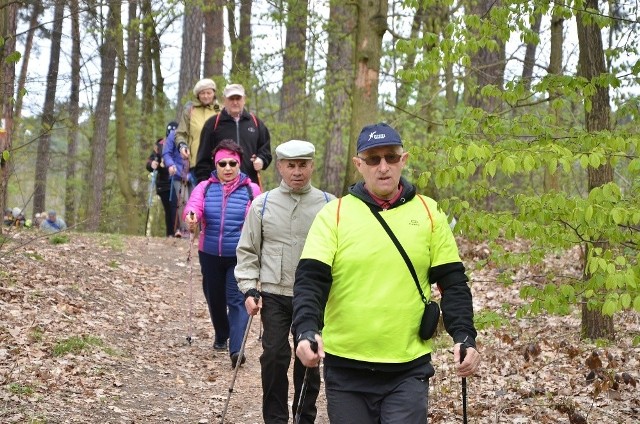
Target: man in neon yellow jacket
353, 286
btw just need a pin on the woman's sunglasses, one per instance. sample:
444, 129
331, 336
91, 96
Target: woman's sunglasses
224, 163
375, 160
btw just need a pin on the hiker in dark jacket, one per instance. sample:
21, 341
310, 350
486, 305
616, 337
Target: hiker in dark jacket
221, 204
362, 297
162, 182
236, 123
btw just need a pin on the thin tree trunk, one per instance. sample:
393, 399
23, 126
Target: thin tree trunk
487, 65
70, 198
555, 68
342, 21
33, 26
214, 38
146, 65
133, 53
102, 117
406, 88
48, 112
530, 53
8, 26
240, 42
122, 143
591, 64
294, 65
370, 28
190, 59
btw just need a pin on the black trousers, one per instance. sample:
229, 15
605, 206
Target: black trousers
276, 313
362, 396
169, 212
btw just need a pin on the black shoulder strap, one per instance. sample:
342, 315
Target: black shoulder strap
249, 192
403, 253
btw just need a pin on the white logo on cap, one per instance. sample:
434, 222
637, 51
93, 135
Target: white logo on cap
376, 136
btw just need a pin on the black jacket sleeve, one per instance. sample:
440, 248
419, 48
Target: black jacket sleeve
264, 144
456, 303
204, 163
310, 293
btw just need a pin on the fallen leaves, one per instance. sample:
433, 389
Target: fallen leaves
132, 294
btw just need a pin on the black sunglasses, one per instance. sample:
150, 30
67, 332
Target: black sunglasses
375, 160
224, 163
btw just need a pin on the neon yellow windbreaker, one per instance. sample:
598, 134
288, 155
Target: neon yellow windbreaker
374, 309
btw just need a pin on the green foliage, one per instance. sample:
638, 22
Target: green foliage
20, 389
488, 319
520, 171
75, 345
34, 255
59, 238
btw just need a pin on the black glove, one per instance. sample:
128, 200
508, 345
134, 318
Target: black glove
253, 293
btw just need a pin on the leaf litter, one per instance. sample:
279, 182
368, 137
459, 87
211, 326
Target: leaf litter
96, 330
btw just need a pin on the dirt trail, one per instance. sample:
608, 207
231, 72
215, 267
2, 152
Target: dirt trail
95, 330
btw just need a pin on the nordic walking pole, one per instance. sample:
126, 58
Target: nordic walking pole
303, 389
152, 185
238, 363
253, 158
191, 237
463, 353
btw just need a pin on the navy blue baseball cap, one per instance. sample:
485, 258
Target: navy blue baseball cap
377, 135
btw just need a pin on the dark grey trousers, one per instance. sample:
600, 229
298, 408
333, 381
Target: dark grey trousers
357, 396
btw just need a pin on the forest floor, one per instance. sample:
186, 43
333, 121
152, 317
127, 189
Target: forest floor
95, 330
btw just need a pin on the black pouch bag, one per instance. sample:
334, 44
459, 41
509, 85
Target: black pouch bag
430, 319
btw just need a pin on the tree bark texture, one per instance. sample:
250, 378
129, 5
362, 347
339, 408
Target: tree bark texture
123, 149
102, 115
487, 65
340, 59
240, 43
48, 113
214, 38
551, 181
530, 53
70, 198
293, 96
28, 45
190, 59
370, 28
8, 25
405, 88
591, 64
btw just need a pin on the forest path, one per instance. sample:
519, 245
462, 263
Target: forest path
95, 330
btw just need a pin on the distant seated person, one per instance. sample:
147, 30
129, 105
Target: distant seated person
18, 217
53, 224
8, 217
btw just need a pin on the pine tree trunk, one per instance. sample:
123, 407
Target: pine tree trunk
48, 117
33, 26
70, 199
123, 149
214, 38
190, 59
101, 118
294, 75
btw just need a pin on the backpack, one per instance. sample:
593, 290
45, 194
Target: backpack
188, 107
255, 120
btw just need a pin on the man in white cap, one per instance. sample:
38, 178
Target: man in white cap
270, 245
236, 123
